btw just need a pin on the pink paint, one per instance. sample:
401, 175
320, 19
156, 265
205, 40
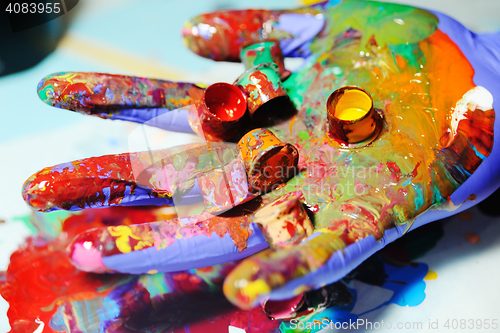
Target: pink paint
87, 258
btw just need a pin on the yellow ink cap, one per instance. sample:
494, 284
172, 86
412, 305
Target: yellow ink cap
351, 116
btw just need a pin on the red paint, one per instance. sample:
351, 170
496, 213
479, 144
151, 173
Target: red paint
233, 30
259, 77
290, 228
254, 321
225, 101
414, 173
40, 275
81, 184
73, 89
284, 308
158, 96
395, 170
220, 111
393, 167
224, 112
472, 237
97, 92
261, 87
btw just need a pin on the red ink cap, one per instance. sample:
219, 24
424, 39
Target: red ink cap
220, 111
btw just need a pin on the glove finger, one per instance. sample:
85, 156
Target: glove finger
221, 35
254, 279
122, 97
166, 246
155, 177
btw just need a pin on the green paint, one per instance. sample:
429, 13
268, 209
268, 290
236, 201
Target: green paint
45, 225
419, 198
262, 54
304, 135
155, 284
390, 23
46, 94
26, 220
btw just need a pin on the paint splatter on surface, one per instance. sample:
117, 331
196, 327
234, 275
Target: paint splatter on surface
472, 237
41, 285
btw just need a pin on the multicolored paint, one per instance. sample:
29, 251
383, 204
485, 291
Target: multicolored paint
265, 52
105, 95
284, 222
221, 35
225, 187
42, 287
438, 129
119, 179
261, 84
268, 161
100, 250
412, 166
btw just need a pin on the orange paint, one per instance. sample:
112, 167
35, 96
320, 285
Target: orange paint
472, 237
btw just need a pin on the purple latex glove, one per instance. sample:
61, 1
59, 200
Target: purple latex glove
428, 154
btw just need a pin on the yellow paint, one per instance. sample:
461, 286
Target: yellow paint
431, 275
178, 234
350, 113
292, 122
255, 288
310, 2
353, 105
201, 85
123, 234
142, 244
153, 271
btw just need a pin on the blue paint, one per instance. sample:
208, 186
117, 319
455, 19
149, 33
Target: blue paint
106, 309
478, 154
419, 198
406, 283
186, 253
109, 94
63, 166
171, 120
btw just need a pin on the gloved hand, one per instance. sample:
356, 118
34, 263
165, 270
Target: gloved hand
432, 157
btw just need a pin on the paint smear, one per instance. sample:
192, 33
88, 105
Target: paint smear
472, 237
431, 275
44, 290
